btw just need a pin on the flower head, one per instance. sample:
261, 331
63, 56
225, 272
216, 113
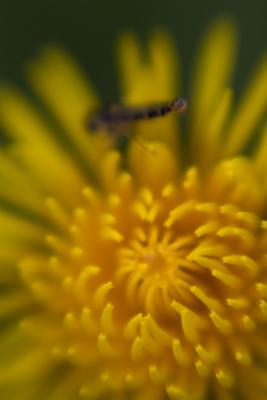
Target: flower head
135, 275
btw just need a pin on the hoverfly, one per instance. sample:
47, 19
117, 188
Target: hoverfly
115, 117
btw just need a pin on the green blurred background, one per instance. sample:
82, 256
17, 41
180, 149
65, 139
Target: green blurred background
89, 29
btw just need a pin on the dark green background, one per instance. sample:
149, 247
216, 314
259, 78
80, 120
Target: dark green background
89, 29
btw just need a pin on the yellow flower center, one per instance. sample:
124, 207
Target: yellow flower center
144, 286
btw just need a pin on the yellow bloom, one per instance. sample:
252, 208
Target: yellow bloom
136, 275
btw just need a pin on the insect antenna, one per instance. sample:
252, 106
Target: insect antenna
143, 145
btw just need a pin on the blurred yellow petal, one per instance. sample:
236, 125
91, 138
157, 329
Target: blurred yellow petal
253, 105
17, 186
212, 137
155, 71
129, 61
151, 77
34, 145
157, 167
260, 154
212, 74
61, 84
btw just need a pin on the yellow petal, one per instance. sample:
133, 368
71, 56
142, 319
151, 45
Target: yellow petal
62, 85
260, 154
129, 61
211, 140
47, 166
150, 80
155, 75
17, 186
213, 70
252, 106
154, 169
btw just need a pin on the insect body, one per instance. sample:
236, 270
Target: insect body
117, 118
115, 115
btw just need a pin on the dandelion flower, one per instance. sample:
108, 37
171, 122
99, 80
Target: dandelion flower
130, 275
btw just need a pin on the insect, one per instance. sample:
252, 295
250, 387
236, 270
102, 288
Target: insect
115, 117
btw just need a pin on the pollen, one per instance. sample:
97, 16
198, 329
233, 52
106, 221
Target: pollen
168, 283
